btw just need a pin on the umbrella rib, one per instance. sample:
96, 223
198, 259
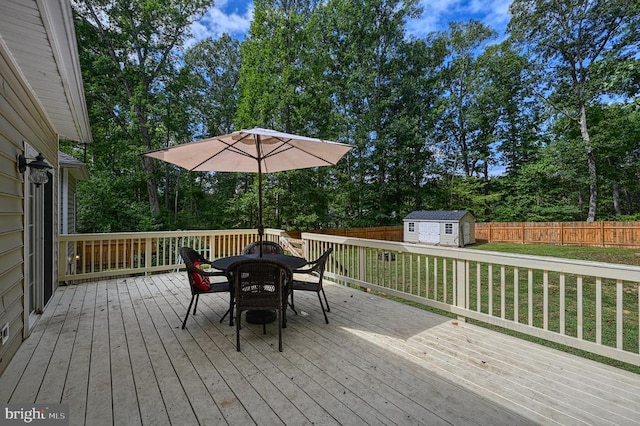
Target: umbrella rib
229, 147
285, 146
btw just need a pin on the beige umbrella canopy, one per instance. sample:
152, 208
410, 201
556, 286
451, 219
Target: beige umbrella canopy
255, 151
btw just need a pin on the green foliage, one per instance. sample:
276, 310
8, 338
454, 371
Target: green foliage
430, 119
111, 204
570, 41
128, 57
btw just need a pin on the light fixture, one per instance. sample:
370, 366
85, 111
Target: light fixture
38, 169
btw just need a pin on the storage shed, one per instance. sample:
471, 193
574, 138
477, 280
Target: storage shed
442, 227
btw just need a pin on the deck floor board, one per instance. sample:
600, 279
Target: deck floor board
114, 350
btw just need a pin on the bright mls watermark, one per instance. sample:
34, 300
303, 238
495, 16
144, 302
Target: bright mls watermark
35, 414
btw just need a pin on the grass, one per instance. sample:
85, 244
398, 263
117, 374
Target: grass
625, 256
390, 274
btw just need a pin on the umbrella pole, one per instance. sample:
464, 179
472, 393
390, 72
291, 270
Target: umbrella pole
260, 226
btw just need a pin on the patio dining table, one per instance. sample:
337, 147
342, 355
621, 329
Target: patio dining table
292, 262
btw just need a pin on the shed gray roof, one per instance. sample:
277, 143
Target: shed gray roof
436, 215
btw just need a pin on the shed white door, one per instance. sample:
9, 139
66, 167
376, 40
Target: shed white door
466, 234
429, 232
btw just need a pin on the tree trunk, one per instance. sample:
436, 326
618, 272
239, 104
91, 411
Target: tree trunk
148, 164
152, 189
591, 164
616, 199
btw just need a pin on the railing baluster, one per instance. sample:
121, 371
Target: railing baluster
435, 278
545, 300
562, 304
598, 311
619, 308
490, 288
503, 291
530, 297
418, 271
445, 281
467, 283
516, 295
427, 277
478, 287
580, 319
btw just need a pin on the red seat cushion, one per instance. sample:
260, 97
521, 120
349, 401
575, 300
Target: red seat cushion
201, 282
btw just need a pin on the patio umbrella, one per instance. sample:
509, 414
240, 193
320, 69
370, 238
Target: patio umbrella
255, 151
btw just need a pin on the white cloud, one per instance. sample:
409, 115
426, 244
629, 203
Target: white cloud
437, 14
496, 12
432, 13
216, 22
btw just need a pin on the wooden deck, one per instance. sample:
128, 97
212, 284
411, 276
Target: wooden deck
114, 351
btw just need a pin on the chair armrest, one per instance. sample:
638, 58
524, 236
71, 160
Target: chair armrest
306, 269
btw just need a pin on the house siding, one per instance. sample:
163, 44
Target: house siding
68, 190
21, 119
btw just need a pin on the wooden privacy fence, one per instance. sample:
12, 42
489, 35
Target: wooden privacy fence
602, 234
384, 233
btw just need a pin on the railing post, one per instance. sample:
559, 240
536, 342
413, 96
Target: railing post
62, 257
462, 285
362, 264
148, 250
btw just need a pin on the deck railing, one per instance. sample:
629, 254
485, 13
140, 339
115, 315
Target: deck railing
586, 305
590, 306
91, 256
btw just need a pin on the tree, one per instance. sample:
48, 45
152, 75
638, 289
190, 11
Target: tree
213, 92
129, 52
458, 129
383, 96
506, 111
567, 40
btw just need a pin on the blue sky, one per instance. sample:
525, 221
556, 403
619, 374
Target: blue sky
234, 16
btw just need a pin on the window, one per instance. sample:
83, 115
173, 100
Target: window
448, 228
412, 227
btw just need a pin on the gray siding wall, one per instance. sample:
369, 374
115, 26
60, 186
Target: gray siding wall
21, 119
71, 205
70, 182
67, 197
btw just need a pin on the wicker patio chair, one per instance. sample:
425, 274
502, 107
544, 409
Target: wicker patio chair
198, 280
260, 284
310, 278
268, 247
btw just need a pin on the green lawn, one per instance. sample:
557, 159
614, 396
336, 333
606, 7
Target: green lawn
626, 256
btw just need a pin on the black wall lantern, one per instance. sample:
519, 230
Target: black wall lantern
38, 169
